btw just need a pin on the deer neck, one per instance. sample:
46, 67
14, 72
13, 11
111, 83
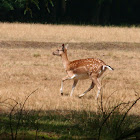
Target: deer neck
65, 60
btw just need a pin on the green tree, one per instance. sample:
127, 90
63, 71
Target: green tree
29, 4
7, 7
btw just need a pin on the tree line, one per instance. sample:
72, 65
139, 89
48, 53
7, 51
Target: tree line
98, 12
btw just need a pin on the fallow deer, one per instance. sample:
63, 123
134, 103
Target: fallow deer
89, 68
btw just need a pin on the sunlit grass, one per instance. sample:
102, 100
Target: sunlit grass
67, 33
25, 68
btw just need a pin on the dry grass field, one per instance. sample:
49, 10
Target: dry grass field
27, 64
67, 33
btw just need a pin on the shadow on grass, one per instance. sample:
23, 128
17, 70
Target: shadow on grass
52, 124
110, 123
66, 125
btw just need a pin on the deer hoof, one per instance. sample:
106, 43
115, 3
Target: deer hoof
81, 95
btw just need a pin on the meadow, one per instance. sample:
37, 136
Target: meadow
27, 66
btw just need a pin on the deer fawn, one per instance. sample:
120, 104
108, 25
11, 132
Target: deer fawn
82, 69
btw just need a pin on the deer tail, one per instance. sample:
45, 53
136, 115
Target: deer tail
107, 66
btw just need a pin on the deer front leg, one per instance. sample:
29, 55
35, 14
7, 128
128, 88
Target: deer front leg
63, 79
73, 87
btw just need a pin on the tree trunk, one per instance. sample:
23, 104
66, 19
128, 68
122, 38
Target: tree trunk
63, 7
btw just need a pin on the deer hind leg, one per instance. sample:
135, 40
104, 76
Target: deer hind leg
98, 84
91, 87
73, 87
63, 79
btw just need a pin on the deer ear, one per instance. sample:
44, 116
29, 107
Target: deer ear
66, 46
63, 46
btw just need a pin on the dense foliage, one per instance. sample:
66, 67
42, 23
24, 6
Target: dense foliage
71, 11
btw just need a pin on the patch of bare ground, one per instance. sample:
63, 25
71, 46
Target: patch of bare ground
26, 66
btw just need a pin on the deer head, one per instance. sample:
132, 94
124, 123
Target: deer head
62, 50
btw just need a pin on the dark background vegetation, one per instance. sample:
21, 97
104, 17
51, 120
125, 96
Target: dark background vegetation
98, 12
